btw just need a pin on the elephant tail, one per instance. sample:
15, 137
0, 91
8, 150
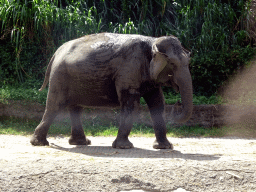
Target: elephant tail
47, 74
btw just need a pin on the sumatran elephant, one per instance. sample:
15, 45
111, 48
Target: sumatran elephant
111, 70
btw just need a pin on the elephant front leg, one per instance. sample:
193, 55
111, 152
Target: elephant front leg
122, 141
161, 141
128, 103
77, 132
155, 102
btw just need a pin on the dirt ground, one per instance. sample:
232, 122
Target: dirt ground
226, 164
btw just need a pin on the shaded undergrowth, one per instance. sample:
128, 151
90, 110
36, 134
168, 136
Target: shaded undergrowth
32, 94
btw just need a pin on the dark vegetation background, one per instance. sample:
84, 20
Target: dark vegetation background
215, 31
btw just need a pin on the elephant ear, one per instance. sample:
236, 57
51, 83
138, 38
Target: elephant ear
158, 63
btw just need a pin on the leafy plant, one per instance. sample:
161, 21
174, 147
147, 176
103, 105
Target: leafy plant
22, 93
213, 31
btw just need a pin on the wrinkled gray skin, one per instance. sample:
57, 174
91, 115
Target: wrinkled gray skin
110, 70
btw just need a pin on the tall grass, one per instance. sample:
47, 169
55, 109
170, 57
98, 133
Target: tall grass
43, 23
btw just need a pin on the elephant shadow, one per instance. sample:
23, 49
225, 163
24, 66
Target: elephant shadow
109, 152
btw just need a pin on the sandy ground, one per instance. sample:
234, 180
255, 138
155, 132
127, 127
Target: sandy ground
226, 164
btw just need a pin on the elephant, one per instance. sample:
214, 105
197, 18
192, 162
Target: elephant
116, 70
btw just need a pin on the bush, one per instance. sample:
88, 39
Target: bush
211, 69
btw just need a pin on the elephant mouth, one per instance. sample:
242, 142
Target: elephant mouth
171, 83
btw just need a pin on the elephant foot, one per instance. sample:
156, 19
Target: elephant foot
122, 144
80, 141
162, 144
37, 141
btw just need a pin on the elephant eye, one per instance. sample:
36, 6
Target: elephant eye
172, 64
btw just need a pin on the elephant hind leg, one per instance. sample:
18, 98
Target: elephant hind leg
77, 132
55, 103
39, 136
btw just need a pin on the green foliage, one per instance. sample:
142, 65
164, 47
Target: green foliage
203, 100
212, 29
211, 69
196, 131
32, 30
22, 92
29, 66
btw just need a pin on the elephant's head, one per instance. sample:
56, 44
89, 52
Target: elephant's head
170, 66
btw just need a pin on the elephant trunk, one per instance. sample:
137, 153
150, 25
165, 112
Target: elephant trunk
184, 82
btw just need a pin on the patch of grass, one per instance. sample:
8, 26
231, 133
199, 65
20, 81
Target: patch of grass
241, 130
141, 130
17, 126
21, 93
203, 100
172, 98
195, 131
